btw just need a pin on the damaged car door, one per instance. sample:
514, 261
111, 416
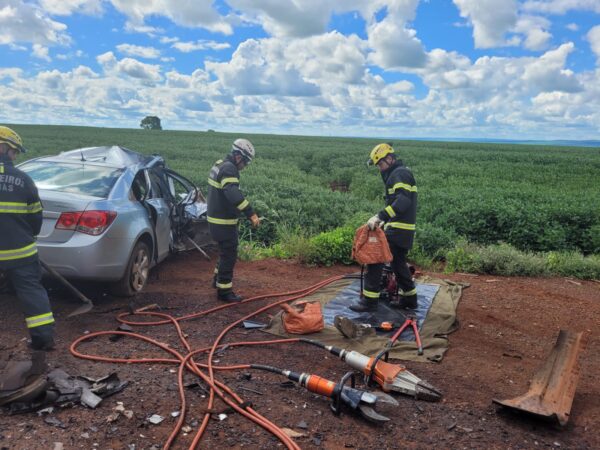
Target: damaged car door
160, 203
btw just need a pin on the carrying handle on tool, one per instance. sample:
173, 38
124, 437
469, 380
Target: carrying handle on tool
336, 397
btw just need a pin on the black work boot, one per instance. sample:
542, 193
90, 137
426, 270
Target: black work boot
408, 302
365, 305
227, 295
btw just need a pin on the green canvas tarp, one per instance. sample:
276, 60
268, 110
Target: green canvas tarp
440, 320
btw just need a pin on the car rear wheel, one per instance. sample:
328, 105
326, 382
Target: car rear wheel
136, 275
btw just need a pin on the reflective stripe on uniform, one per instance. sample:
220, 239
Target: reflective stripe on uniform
370, 294
221, 221
400, 225
214, 183
225, 181
1, 168
390, 211
20, 208
409, 293
18, 253
225, 285
243, 205
38, 321
405, 186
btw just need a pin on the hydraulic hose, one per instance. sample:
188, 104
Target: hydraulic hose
187, 363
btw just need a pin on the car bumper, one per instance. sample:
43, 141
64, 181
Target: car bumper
88, 257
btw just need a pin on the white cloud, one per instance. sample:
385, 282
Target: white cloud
561, 6
140, 51
258, 68
187, 47
40, 52
189, 13
11, 72
395, 46
572, 27
137, 69
24, 22
548, 74
135, 27
287, 17
106, 59
168, 40
535, 28
130, 67
491, 20
593, 36
68, 7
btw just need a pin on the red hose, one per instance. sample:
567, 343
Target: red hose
186, 362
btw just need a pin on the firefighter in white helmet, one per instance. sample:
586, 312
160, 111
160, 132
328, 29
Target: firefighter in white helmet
20, 223
225, 205
398, 219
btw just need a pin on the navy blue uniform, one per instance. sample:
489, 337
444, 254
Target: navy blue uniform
225, 205
20, 223
399, 215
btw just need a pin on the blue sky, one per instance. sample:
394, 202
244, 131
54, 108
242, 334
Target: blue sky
506, 69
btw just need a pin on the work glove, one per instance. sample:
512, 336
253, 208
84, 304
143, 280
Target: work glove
255, 220
374, 222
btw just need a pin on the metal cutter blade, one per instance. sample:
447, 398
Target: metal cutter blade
370, 400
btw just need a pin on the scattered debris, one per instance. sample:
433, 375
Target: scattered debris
186, 429
112, 417
148, 308
58, 446
175, 413
577, 283
155, 419
251, 390
51, 420
512, 355
302, 424
251, 324
452, 426
122, 327
291, 433
222, 416
66, 390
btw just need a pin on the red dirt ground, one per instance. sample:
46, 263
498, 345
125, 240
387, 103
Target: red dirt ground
508, 325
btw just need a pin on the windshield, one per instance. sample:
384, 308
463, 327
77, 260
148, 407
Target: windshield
75, 178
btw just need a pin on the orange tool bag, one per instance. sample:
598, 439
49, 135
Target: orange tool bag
303, 318
370, 246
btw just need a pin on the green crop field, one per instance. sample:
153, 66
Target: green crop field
492, 208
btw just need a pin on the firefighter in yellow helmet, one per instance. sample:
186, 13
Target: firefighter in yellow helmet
20, 223
398, 218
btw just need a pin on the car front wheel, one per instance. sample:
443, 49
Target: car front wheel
136, 275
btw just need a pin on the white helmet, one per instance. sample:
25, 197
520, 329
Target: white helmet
244, 147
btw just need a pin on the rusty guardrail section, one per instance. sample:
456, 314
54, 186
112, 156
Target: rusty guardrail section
552, 388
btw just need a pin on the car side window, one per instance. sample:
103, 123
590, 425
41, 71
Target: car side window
139, 187
156, 184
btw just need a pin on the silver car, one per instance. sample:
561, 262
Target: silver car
110, 214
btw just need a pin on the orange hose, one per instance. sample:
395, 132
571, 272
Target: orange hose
186, 362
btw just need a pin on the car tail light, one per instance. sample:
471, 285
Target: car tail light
88, 222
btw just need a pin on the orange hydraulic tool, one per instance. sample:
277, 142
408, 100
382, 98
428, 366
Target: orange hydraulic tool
356, 399
391, 377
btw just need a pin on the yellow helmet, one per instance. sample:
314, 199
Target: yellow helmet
8, 136
379, 152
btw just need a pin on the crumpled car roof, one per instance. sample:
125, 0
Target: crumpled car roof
115, 156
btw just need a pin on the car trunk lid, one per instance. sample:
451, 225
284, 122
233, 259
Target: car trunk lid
54, 204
